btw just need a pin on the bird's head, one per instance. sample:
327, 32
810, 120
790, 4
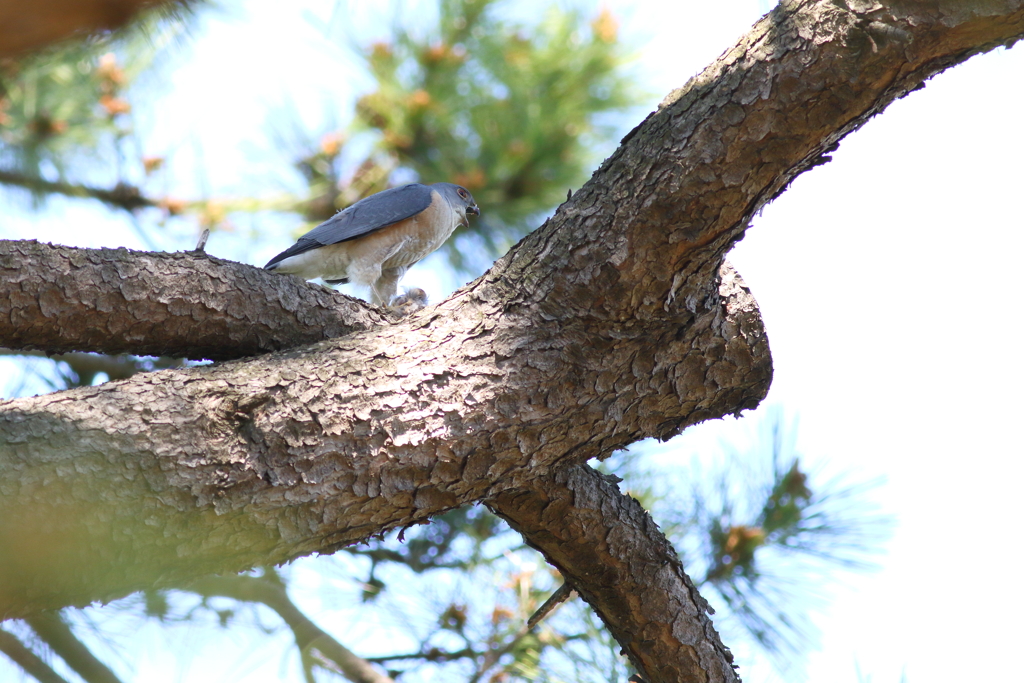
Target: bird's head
460, 199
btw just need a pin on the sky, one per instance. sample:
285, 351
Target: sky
886, 280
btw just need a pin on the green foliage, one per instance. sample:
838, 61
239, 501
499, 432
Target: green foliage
65, 113
51, 106
501, 107
509, 111
765, 536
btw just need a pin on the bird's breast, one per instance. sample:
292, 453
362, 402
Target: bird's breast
423, 233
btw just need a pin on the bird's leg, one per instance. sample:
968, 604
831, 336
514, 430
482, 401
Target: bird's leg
384, 288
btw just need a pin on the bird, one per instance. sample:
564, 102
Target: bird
374, 241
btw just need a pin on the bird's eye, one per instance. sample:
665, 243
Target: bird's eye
463, 193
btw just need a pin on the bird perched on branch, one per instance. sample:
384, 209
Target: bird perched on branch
374, 241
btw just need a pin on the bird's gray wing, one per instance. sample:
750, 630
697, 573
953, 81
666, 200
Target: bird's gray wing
365, 216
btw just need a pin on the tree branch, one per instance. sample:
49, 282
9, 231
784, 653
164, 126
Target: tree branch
661, 211
613, 554
127, 197
613, 322
59, 299
253, 462
87, 365
431, 655
563, 593
32, 26
52, 629
29, 662
308, 636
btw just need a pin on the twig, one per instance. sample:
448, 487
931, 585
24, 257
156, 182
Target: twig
432, 655
309, 637
491, 658
556, 599
201, 246
59, 636
124, 196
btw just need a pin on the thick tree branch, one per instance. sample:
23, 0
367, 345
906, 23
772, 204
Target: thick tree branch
613, 554
253, 462
58, 635
308, 636
657, 216
59, 299
26, 26
29, 662
607, 325
650, 226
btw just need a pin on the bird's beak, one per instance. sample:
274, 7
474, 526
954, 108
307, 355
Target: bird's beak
473, 210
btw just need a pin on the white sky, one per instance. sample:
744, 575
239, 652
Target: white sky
887, 280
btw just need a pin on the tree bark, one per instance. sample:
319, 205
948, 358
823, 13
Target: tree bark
27, 26
185, 472
610, 550
60, 299
614, 321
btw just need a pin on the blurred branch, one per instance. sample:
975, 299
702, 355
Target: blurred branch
430, 547
26, 26
58, 635
308, 636
416, 564
122, 196
492, 656
432, 655
29, 662
87, 365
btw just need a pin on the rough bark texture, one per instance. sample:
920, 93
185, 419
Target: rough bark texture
183, 472
26, 26
188, 304
614, 321
611, 551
